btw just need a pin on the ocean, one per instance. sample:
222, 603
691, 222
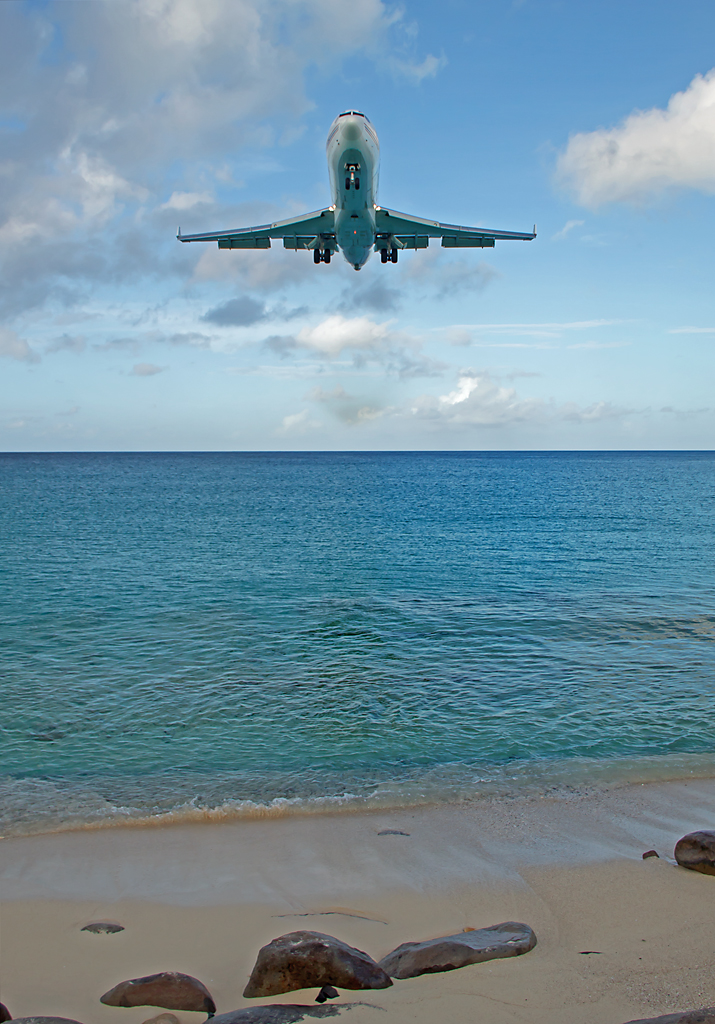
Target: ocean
202, 636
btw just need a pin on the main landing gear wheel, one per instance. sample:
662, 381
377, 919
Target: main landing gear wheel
383, 256
393, 255
316, 256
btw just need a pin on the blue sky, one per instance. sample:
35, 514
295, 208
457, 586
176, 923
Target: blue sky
121, 119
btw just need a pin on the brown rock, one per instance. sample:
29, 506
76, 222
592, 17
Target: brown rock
704, 1016
103, 928
452, 951
697, 852
169, 989
650, 853
163, 1018
311, 960
4, 1013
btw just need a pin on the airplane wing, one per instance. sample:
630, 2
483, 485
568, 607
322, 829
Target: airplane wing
415, 232
310, 231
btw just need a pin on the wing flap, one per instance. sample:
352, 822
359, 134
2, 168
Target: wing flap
389, 222
311, 225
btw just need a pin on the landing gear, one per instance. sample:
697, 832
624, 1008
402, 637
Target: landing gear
388, 256
321, 256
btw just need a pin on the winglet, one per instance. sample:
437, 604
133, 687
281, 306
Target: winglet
534, 230
178, 233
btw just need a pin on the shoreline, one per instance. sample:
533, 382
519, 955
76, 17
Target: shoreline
445, 785
202, 899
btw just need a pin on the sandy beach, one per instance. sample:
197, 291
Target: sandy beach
618, 937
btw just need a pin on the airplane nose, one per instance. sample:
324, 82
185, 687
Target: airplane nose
351, 131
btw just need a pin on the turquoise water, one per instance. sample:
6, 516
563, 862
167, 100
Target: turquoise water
225, 634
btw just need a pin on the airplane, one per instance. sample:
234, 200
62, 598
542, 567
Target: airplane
355, 225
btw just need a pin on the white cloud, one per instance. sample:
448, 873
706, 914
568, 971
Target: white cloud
299, 423
649, 152
14, 347
568, 226
416, 73
459, 333
365, 340
186, 200
480, 401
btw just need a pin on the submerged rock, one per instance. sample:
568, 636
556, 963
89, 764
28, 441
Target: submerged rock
168, 989
103, 928
697, 852
281, 1013
452, 951
311, 960
704, 1016
45, 1020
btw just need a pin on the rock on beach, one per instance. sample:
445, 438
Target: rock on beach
169, 990
5, 1014
311, 960
704, 1016
452, 951
697, 852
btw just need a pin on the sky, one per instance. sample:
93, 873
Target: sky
122, 119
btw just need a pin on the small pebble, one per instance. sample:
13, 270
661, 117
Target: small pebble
650, 853
103, 928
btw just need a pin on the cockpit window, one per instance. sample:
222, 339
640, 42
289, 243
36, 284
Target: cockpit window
353, 113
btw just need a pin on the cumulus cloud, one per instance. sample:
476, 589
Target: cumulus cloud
120, 104
362, 338
240, 312
14, 347
649, 152
345, 407
480, 401
146, 370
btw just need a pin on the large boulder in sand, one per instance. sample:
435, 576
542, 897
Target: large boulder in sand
697, 852
282, 1013
5, 1014
452, 951
170, 990
311, 960
704, 1016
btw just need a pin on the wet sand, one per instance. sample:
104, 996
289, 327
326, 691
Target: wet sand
202, 899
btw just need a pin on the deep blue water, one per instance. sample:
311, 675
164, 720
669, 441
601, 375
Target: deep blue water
202, 630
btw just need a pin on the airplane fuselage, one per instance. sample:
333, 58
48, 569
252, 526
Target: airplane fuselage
354, 166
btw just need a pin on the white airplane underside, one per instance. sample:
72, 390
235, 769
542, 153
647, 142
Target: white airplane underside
355, 225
